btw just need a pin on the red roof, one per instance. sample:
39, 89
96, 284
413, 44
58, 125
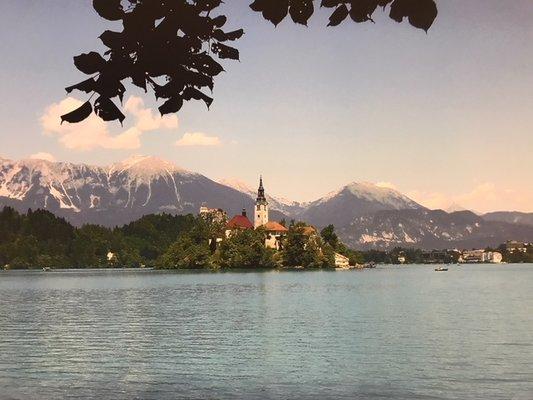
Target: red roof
240, 222
273, 226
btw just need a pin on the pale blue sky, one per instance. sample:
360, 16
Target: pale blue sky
444, 116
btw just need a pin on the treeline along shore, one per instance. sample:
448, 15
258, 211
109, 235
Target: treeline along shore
39, 239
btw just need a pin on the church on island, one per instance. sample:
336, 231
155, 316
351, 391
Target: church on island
275, 230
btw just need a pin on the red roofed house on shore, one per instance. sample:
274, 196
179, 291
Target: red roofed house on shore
275, 234
238, 222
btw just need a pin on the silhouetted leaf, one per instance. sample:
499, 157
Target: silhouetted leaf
89, 63
421, 13
301, 10
111, 39
107, 110
219, 21
224, 51
329, 3
424, 15
86, 86
234, 35
200, 80
170, 89
192, 93
208, 5
258, 5
109, 86
362, 10
276, 10
338, 15
138, 78
79, 114
109, 9
273, 10
205, 64
172, 105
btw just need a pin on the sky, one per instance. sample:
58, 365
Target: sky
444, 117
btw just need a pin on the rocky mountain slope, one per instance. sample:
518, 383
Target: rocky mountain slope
429, 229
112, 195
513, 217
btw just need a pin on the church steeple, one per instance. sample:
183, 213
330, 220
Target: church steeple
261, 206
261, 190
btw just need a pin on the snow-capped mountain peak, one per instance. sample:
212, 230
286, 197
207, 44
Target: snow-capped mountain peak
114, 194
357, 198
376, 193
145, 167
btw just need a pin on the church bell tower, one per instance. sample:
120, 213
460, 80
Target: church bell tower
261, 206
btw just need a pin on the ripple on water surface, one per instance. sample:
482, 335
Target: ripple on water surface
389, 333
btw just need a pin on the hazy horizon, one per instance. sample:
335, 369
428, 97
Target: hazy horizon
443, 117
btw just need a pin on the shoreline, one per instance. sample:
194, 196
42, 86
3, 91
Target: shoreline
237, 270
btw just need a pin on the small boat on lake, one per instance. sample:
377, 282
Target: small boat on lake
441, 269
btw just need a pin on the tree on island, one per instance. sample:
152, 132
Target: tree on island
329, 236
187, 253
246, 249
194, 247
301, 249
170, 46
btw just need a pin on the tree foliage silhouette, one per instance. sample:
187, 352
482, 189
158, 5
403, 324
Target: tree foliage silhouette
171, 46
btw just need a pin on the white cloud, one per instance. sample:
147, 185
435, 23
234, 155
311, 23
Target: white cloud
43, 156
386, 185
198, 139
484, 197
432, 200
94, 133
147, 119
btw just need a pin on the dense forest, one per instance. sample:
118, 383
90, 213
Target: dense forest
39, 239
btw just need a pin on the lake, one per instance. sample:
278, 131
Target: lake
389, 333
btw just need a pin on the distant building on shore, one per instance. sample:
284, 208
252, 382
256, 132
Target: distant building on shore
513, 246
480, 256
440, 256
342, 262
214, 214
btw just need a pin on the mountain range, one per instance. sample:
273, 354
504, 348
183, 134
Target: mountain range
364, 214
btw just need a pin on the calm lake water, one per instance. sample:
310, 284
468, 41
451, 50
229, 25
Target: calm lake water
389, 333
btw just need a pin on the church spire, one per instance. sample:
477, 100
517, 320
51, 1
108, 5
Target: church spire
261, 191
261, 206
